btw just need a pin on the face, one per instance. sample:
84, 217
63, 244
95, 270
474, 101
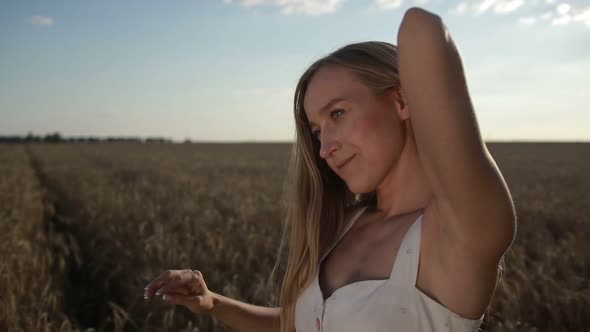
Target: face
354, 125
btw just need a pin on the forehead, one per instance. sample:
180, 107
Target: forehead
327, 83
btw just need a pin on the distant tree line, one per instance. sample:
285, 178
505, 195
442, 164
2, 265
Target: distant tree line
58, 138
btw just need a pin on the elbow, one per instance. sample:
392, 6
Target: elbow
417, 13
504, 234
417, 23
507, 216
511, 226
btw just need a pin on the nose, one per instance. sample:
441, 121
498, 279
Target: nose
328, 144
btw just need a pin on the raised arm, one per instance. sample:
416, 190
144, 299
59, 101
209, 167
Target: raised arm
468, 187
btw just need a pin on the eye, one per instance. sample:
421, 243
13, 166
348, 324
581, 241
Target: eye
316, 133
336, 111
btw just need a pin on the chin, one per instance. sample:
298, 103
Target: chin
360, 188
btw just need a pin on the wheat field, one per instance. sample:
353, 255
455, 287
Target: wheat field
84, 226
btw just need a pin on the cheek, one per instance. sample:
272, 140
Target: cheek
375, 133
362, 129
379, 141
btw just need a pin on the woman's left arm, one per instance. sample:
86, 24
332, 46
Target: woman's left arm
468, 187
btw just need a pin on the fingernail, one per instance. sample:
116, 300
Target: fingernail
159, 292
164, 297
146, 287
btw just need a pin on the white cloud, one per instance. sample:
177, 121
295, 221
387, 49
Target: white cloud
251, 3
394, 4
558, 13
546, 15
305, 7
42, 20
389, 4
527, 20
567, 14
561, 13
562, 20
582, 14
498, 6
460, 9
508, 6
482, 6
563, 8
309, 7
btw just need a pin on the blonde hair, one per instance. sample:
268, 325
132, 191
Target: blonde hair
317, 200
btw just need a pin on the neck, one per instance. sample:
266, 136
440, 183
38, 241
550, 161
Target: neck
405, 188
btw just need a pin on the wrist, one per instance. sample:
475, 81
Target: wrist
215, 300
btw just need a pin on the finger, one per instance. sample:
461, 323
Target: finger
185, 289
178, 291
176, 282
157, 283
196, 283
180, 279
159, 279
198, 277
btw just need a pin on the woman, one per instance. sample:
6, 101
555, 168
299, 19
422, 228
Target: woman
399, 217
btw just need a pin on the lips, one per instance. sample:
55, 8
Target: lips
345, 162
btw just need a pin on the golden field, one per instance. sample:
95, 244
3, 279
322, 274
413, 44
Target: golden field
85, 226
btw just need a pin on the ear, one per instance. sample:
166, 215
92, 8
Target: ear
399, 99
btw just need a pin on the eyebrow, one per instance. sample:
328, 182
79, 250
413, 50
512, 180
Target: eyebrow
327, 106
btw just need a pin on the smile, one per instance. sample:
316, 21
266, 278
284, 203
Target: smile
345, 163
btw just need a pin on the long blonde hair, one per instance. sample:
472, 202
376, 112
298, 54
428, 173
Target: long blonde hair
317, 200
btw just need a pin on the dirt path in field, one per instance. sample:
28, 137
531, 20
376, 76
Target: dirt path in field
85, 296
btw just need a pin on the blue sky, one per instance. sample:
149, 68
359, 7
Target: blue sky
214, 70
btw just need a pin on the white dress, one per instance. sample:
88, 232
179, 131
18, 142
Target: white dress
393, 304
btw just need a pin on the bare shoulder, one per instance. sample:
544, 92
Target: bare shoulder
450, 273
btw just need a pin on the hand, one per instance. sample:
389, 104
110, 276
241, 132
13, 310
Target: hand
182, 287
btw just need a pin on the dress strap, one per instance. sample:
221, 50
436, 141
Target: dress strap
405, 266
355, 215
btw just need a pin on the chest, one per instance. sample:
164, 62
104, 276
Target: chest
364, 253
